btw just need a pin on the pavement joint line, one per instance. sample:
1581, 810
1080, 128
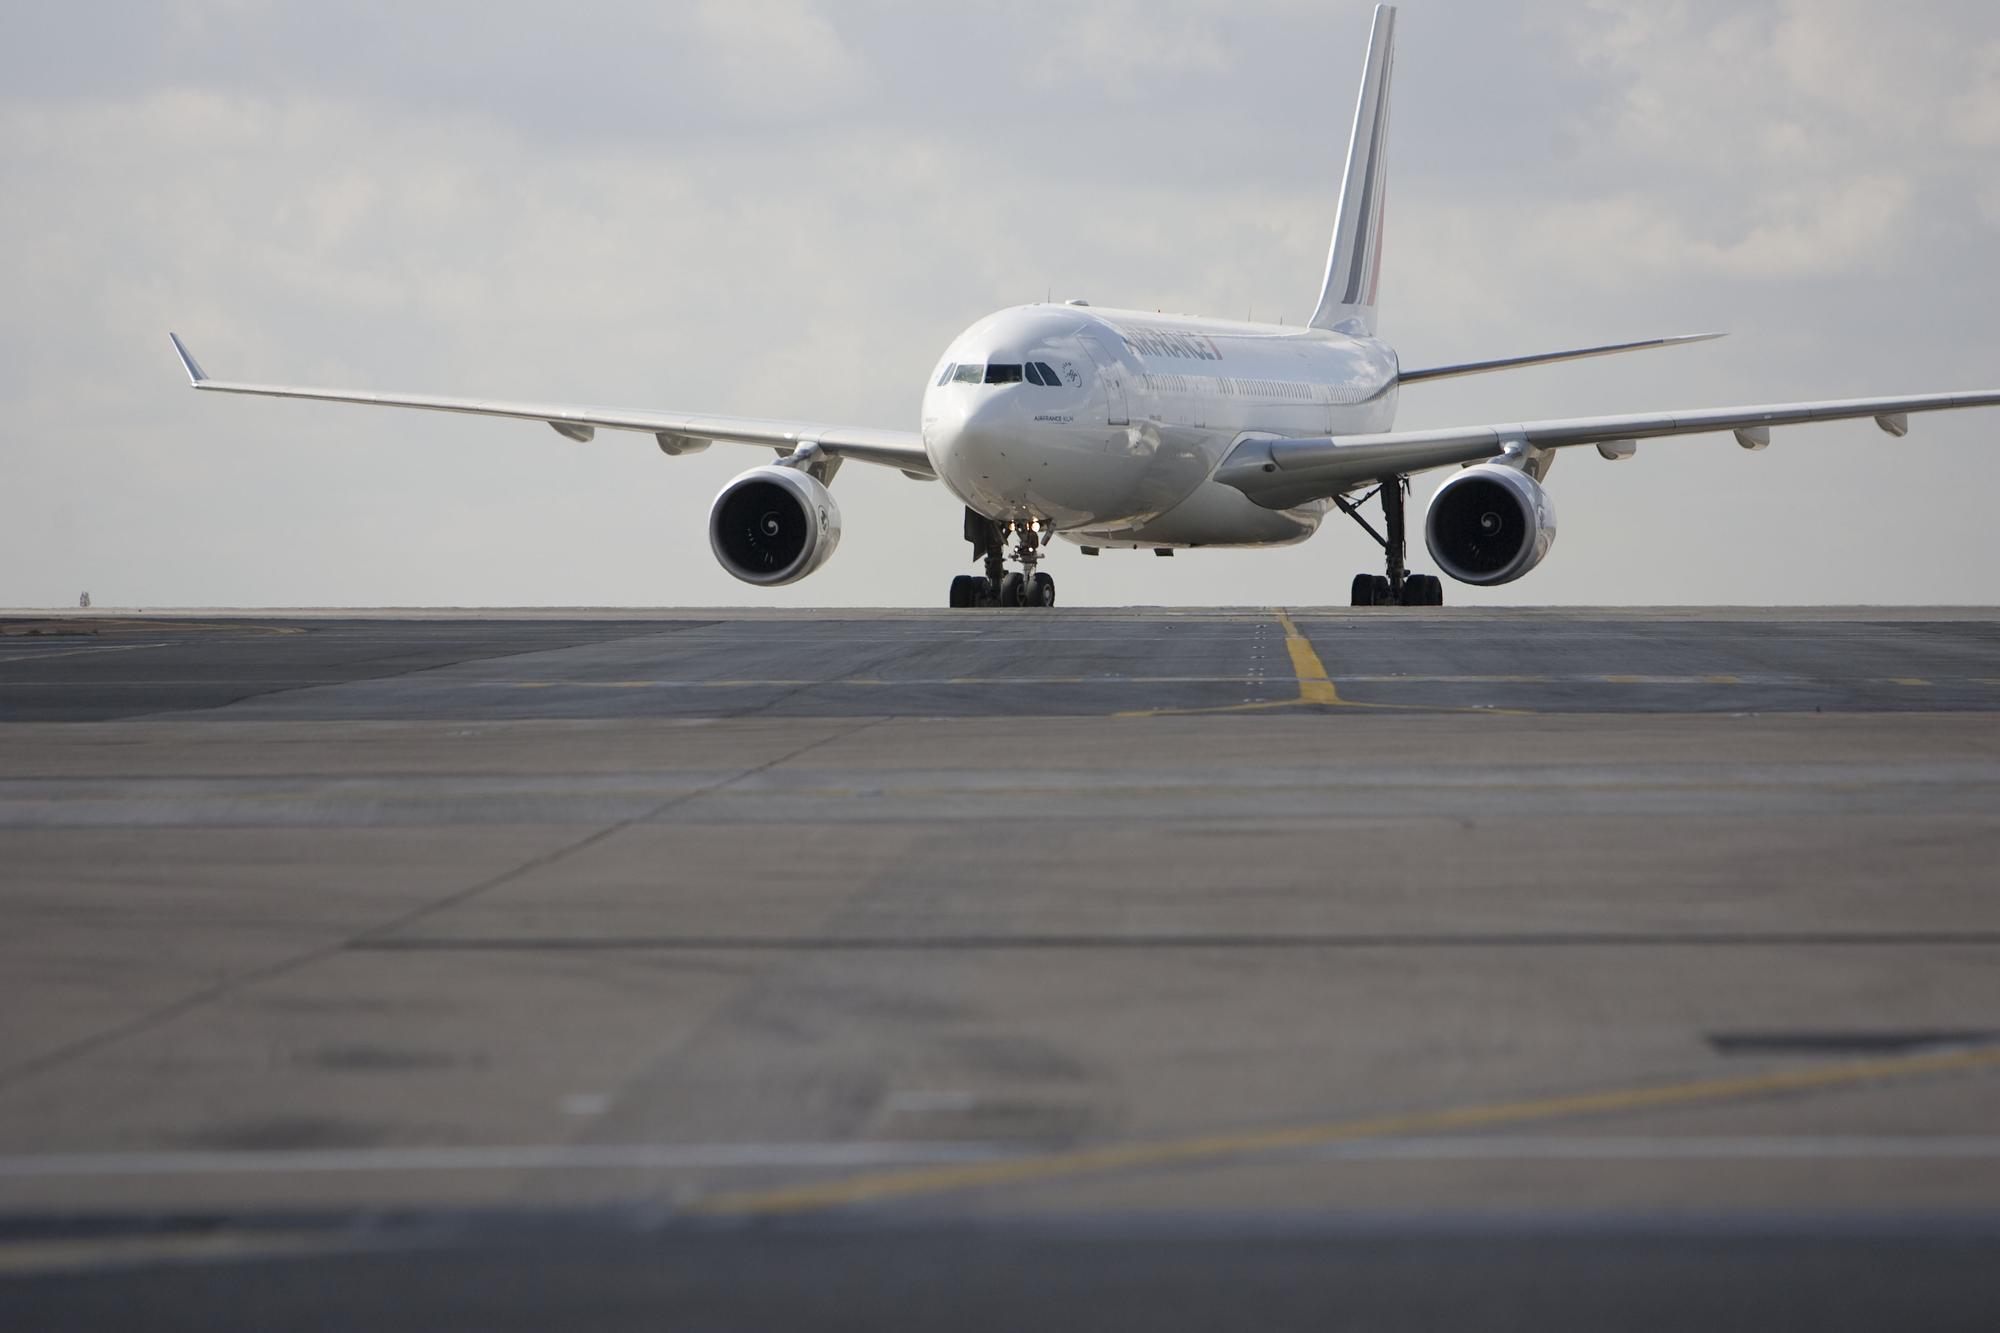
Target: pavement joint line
733, 1156
1204, 1149
569, 849
1187, 939
1191, 940
43, 1061
497, 1157
27, 1258
769, 707
1255, 677
148, 625
354, 795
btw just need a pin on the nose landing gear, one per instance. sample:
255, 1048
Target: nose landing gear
1398, 587
1000, 586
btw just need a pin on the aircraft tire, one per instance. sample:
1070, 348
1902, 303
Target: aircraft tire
1042, 592
1363, 591
964, 593
1010, 591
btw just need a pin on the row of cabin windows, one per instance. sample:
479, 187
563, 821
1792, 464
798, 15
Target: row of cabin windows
995, 372
1038, 372
1305, 393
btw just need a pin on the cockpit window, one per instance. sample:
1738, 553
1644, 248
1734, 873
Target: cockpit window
1002, 372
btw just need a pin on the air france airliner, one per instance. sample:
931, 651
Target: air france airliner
1133, 430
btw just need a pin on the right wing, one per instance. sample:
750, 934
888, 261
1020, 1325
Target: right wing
677, 432
1280, 473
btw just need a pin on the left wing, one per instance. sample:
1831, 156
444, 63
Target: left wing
1547, 358
1280, 473
677, 432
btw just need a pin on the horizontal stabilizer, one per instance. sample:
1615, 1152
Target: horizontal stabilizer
1544, 358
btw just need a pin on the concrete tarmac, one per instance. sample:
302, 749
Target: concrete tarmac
698, 944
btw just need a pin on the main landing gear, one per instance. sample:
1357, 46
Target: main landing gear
1000, 586
1398, 587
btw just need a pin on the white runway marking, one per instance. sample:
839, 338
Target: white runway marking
39, 654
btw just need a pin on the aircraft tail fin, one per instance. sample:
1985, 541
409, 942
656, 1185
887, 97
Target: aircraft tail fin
1347, 299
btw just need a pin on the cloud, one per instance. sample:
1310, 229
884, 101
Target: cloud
1133, 48
788, 210
783, 53
1812, 81
1977, 115
1819, 232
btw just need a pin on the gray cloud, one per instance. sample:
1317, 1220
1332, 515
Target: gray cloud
787, 209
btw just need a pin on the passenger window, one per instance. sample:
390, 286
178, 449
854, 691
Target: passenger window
947, 373
968, 374
1034, 374
999, 374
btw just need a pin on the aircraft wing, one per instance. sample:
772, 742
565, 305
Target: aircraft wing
1547, 358
677, 432
1279, 473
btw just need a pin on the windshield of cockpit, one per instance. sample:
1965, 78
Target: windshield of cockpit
1000, 372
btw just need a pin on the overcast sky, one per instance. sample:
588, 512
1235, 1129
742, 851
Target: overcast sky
788, 208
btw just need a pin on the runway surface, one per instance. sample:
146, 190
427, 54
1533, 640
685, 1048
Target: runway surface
914, 664
1483, 968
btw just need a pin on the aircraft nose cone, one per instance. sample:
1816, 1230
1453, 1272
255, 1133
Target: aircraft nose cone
972, 440
971, 432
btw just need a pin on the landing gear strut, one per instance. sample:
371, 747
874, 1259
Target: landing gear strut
1398, 587
1000, 586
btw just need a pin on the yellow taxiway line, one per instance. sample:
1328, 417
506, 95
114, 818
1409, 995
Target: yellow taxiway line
1316, 687
1201, 1149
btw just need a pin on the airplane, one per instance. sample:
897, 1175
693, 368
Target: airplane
1137, 430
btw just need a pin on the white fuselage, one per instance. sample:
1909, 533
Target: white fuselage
1120, 450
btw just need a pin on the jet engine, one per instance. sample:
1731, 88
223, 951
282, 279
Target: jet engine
1489, 524
773, 525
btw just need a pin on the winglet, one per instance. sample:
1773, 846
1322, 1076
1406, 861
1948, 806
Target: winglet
193, 367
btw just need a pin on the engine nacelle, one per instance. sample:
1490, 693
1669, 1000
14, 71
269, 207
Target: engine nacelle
773, 525
1489, 524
